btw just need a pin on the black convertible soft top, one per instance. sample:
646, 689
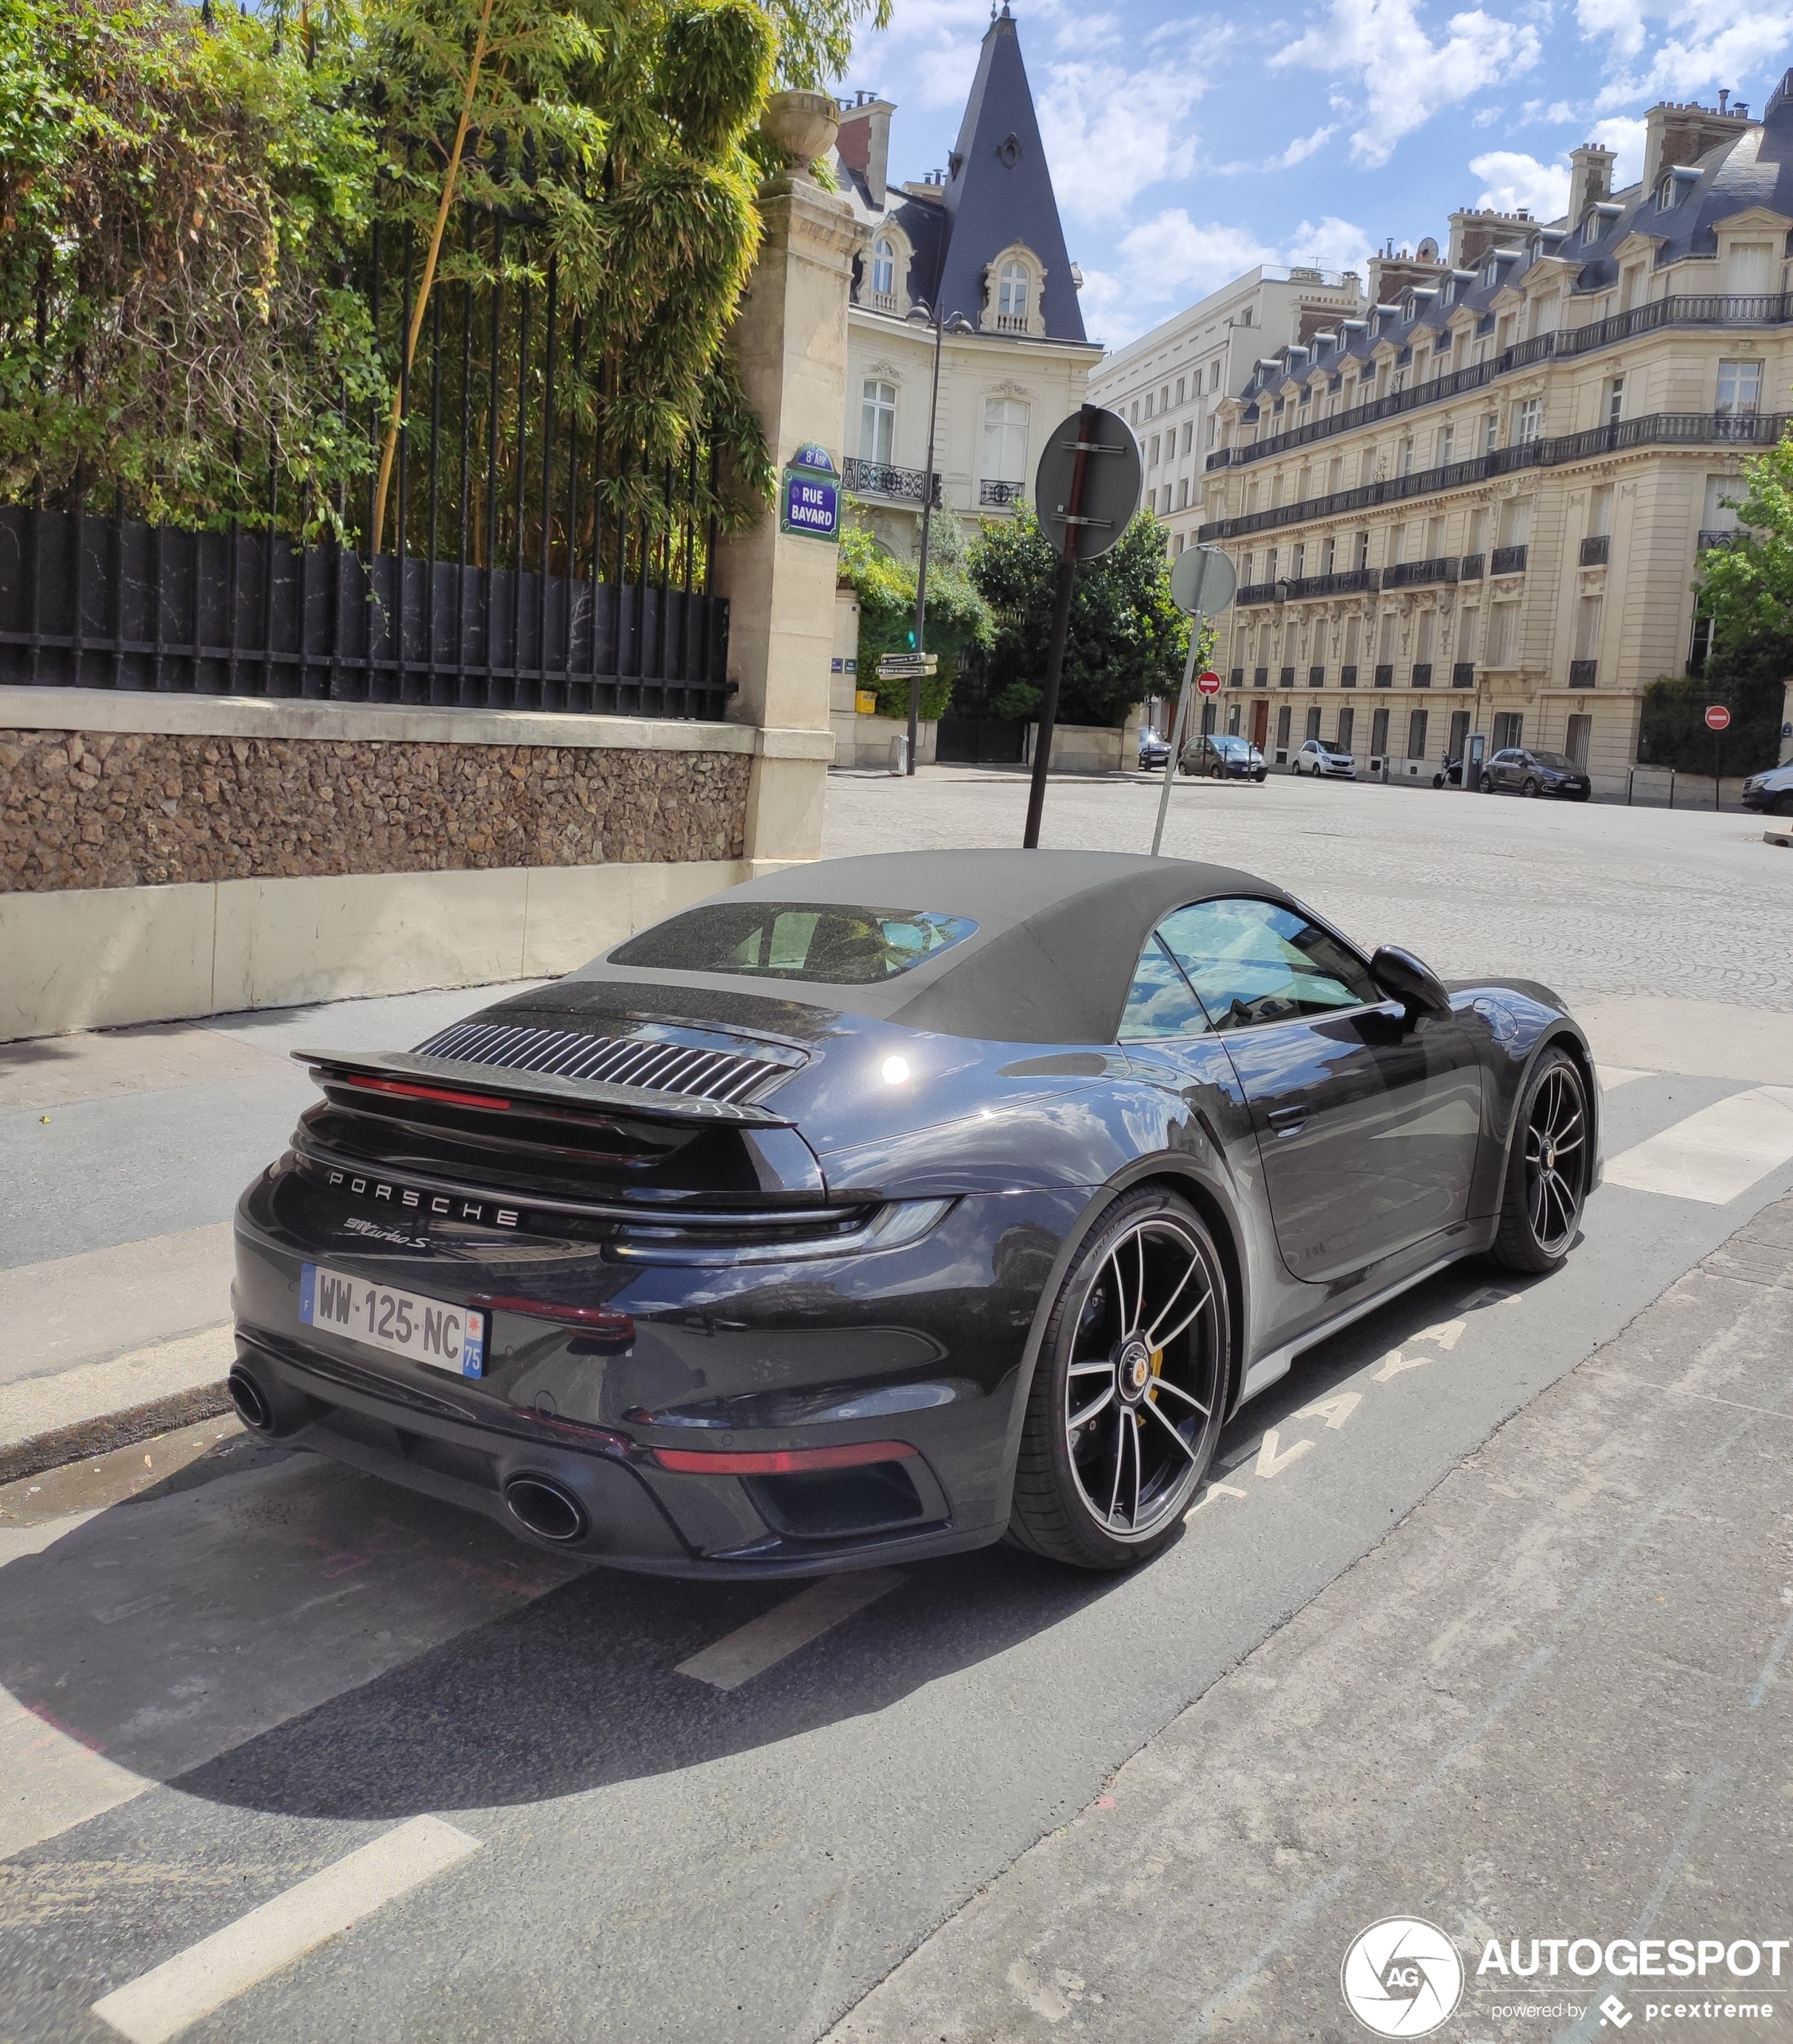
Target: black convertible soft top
1059, 934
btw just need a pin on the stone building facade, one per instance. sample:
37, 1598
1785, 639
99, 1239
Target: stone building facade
1480, 506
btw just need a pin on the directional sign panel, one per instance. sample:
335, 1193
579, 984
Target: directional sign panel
1111, 479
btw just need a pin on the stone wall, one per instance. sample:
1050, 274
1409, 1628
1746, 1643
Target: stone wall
134, 808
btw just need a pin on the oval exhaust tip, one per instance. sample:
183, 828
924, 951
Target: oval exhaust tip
549, 1511
250, 1400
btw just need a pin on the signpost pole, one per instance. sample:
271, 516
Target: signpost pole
1179, 730
1061, 622
921, 565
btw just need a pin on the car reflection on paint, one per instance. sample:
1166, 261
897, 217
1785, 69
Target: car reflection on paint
891, 1205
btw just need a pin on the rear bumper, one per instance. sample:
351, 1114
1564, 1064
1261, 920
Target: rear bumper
891, 1346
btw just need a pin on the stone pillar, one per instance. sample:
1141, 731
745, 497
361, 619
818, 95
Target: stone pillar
791, 338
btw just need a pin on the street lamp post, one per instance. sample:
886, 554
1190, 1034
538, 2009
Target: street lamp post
923, 314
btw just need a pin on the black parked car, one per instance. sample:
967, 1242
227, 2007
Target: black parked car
1517, 771
1224, 756
1154, 749
890, 1205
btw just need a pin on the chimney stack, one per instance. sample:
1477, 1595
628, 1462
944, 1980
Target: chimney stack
1590, 179
864, 143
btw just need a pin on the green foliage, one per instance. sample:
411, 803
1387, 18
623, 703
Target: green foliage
958, 619
177, 207
195, 213
1127, 639
1749, 681
1747, 586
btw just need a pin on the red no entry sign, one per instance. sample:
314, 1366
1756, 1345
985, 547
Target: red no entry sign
1717, 717
1209, 683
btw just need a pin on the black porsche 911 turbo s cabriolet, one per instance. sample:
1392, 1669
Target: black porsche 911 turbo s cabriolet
892, 1204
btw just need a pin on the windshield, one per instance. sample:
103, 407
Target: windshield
837, 946
1227, 745
1555, 759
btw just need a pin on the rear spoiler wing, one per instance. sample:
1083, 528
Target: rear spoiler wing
395, 1068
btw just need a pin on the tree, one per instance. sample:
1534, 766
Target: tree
958, 619
1127, 639
1746, 587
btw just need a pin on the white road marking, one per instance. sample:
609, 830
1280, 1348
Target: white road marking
1447, 1334
1715, 1154
739, 1656
161, 2003
1270, 1463
1612, 1077
1394, 1363
1213, 1490
1335, 1410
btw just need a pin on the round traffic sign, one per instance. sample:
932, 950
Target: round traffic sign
1203, 580
1717, 717
1209, 683
1111, 479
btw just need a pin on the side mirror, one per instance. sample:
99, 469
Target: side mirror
1415, 985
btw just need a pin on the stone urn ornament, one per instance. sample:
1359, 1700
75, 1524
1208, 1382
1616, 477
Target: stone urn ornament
803, 124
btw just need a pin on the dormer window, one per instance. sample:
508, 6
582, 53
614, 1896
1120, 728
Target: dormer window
1014, 291
883, 268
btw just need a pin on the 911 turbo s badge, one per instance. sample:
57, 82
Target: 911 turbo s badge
445, 1206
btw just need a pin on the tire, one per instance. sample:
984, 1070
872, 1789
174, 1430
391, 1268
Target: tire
1530, 787
1542, 1200
1486, 784
1216, 772
1437, 780
1783, 806
1104, 1472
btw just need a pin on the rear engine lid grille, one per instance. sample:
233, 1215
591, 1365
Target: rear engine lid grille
652, 1063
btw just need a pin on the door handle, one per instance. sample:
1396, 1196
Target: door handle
1288, 1120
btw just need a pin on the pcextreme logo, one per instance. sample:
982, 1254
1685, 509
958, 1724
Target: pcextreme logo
1402, 1977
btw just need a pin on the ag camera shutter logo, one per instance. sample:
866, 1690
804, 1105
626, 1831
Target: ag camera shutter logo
1402, 1977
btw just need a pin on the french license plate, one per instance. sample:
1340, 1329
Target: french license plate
426, 1330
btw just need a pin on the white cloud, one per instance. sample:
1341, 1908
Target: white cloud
1407, 78
1303, 147
1725, 42
1110, 132
1172, 260
1517, 182
1626, 138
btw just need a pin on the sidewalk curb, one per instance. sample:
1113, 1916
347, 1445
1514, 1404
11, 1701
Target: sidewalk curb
111, 1430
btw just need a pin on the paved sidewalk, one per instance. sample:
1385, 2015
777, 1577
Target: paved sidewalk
121, 1155
1553, 1703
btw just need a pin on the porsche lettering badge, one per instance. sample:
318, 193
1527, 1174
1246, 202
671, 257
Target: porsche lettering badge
445, 1206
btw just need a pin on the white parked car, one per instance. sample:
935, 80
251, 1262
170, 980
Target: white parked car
1318, 758
1772, 792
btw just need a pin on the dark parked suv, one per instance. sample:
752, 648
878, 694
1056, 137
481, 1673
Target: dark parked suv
1517, 771
1223, 756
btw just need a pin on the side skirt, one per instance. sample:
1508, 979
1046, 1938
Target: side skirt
1270, 1369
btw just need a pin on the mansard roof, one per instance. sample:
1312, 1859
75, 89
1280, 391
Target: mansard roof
998, 192
1680, 214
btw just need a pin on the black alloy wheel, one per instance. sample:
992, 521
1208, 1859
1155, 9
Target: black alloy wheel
1547, 1168
1125, 1406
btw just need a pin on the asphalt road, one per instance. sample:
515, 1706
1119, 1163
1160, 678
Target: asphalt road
413, 1781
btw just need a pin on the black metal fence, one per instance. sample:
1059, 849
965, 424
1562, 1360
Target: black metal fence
510, 545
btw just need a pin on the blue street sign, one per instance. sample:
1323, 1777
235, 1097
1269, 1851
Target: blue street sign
809, 496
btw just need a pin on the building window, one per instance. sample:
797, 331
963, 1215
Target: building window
1528, 422
1581, 730
1134, 415
1740, 388
1213, 374
1179, 384
1188, 434
1407, 456
1314, 721
1509, 729
877, 421
1612, 401
1443, 449
883, 269
1749, 269
1283, 728
1491, 433
1347, 718
1362, 551
1152, 456
1416, 735
1379, 734
1515, 526
1005, 440
1182, 494
1503, 634
1213, 427
1588, 628
1326, 551
1012, 291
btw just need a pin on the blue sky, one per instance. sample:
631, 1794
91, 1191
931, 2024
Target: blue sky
1188, 143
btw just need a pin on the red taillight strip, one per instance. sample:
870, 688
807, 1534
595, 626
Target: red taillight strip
545, 1309
487, 1100
780, 1462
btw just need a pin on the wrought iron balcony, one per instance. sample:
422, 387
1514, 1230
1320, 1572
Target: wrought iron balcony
1704, 308
1722, 536
1470, 567
1347, 677
1385, 675
1655, 429
1507, 560
1407, 574
1347, 582
880, 478
1422, 675
1000, 494
1316, 677
1285, 677
1581, 674
1462, 674
1596, 550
